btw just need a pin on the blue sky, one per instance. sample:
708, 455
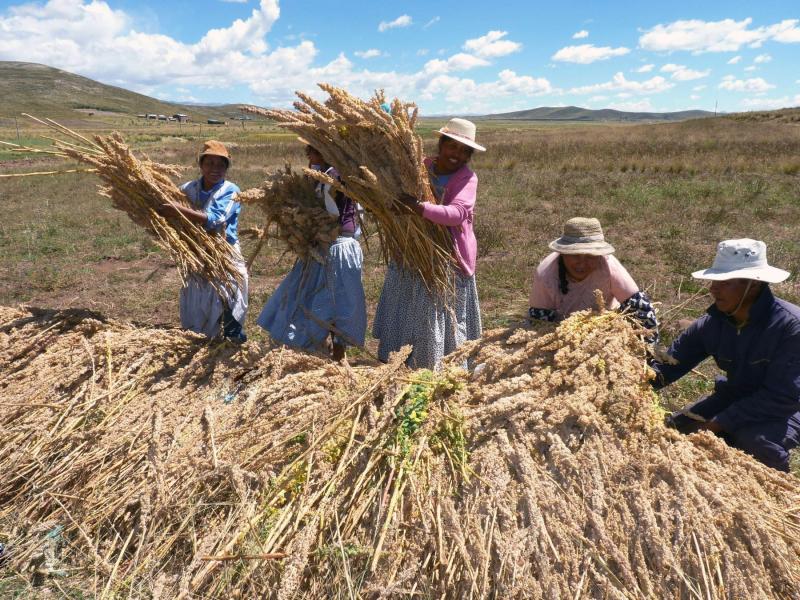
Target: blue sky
450, 57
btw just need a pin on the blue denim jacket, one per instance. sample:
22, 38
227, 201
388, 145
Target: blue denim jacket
761, 360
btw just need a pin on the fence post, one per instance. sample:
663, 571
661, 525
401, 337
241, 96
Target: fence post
17, 126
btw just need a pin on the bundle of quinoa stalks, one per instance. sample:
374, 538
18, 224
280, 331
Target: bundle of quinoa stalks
147, 463
378, 156
139, 187
289, 201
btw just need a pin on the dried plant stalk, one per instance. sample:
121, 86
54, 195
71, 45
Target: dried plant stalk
289, 202
139, 187
378, 155
177, 469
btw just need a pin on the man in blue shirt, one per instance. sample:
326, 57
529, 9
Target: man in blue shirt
755, 338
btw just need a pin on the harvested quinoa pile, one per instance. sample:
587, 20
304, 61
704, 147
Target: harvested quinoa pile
150, 463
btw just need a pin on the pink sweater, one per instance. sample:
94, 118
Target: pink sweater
455, 212
610, 277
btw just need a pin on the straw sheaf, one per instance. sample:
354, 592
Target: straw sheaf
139, 187
378, 156
182, 469
289, 202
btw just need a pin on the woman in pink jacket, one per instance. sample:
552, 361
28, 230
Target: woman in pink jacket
407, 312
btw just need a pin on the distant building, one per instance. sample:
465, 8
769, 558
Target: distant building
162, 117
181, 117
141, 116
152, 116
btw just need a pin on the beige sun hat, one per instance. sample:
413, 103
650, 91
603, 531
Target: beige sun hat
214, 148
742, 259
582, 235
462, 131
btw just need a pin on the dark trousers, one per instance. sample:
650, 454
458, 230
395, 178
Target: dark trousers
231, 328
767, 441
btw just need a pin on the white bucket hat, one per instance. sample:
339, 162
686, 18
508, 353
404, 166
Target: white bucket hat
582, 236
462, 131
742, 259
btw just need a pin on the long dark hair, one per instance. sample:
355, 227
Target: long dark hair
563, 285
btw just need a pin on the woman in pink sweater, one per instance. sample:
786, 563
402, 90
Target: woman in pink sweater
407, 312
583, 261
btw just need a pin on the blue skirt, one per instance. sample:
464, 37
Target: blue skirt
315, 300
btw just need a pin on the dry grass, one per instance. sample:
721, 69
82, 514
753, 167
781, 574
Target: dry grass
546, 474
378, 156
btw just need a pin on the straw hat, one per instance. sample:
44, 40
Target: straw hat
582, 236
214, 148
742, 259
462, 131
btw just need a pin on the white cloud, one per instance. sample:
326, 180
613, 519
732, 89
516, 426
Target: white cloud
580, 35
788, 32
699, 88
654, 85
432, 22
734, 60
770, 103
643, 105
585, 54
750, 68
599, 98
90, 38
457, 62
401, 21
480, 96
683, 73
762, 58
694, 97
423, 52
243, 34
371, 53
644, 69
492, 45
727, 35
757, 84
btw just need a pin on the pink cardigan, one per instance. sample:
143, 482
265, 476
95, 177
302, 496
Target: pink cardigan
456, 213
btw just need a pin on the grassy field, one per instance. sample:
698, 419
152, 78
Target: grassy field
664, 193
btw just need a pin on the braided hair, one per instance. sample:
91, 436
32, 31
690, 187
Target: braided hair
563, 284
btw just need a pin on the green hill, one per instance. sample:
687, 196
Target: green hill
46, 91
575, 113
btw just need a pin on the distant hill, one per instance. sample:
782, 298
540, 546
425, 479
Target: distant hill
575, 113
46, 91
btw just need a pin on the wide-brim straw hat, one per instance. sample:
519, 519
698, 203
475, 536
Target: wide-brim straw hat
214, 148
462, 131
582, 235
742, 259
